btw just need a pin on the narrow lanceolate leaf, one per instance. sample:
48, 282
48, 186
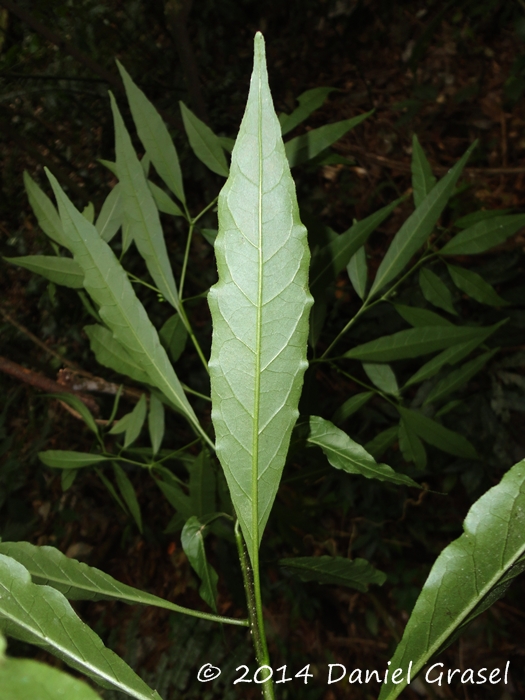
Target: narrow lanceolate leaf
25, 678
202, 485
422, 178
451, 356
164, 202
437, 435
436, 291
411, 446
307, 146
351, 406
140, 211
381, 442
418, 227
484, 235
357, 573
358, 272
154, 136
459, 377
80, 407
64, 271
41, 615
66, 459
204, 142
192, 540
44, 210
260, 312
413, 343
335, 256
110, 353
78, 581
110, 288
155, 423
469, 576
174, 335
110, 218
382, 376
343, 453
136, 421
418, 317
127, 492
475, 286
309, 101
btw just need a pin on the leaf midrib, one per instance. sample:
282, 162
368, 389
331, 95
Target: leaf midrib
466, 612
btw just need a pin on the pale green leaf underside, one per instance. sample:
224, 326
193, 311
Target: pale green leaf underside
41, 615
357, 573
110, 288
110, 353
64, 271
468, 576
260, 311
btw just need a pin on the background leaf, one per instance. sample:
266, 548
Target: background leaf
357, 573
459, 377
154, 136
259, 310
437, 435
484, 235
192, 539
67, 459
436, 291
358, 272
110, 353
382, 376
204, 143
309, 101
44, 209
305, 147
475, 286
418, 227
468, 576
41, 615
128, 494
422, 178
155, 423
351, 406
64, 271
110, 218
343, 453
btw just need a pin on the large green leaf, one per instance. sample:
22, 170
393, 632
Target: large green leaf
110, 288
154, 136
468, 576
204, 142
41, 615
459, 377
484, 235
192, 540
307, 146
309, 101
418, 227
62, 271
21, 679
422, 178
343, 453
475, 286
110, 353
356, 573
140, 211
437, 435
414, 342
260, 312
78, 581
44, 209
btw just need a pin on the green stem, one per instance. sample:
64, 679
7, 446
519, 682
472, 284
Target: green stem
209, 206
252, 588
370, 304
185, 261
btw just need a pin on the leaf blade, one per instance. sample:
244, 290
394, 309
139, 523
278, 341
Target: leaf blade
64, 271
356, 573
266, 337
204, 142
